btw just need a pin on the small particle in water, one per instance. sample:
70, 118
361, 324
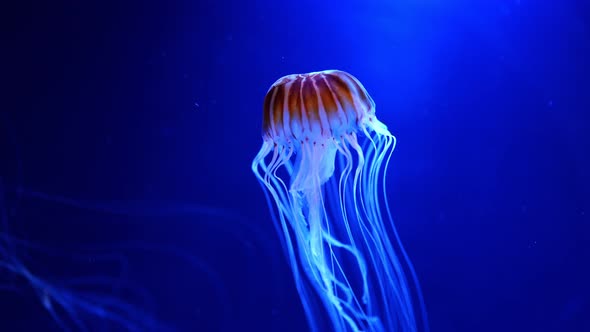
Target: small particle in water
532, 244
550, 103
196, 104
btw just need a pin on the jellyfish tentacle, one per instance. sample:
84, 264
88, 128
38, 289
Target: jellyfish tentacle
411, 269
371, 242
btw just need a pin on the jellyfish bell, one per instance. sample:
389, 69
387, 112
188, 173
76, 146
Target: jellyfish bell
312, 113
322, 165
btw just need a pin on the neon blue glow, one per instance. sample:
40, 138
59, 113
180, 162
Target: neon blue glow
78, 303
334, 222
92, 288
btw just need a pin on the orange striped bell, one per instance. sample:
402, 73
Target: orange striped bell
315, 107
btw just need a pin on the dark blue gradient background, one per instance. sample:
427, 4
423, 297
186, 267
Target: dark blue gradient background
128, 128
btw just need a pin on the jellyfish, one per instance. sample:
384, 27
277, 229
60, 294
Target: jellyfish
322, 166
91, 287
97, 301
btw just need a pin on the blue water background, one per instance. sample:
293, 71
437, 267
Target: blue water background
129, 129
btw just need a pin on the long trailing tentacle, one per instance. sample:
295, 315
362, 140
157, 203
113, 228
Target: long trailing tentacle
335, 234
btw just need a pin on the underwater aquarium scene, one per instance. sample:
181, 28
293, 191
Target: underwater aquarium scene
295, 166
